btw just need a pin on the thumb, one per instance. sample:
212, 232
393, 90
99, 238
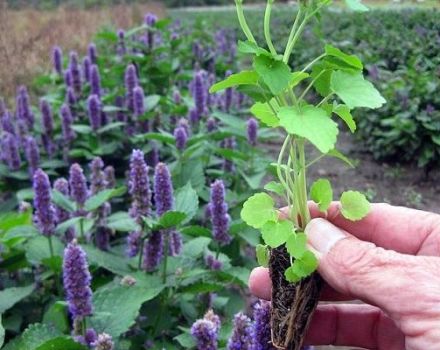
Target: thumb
360, 269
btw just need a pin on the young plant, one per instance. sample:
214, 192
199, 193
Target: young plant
286, 99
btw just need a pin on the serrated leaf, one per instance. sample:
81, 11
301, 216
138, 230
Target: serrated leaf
171, 219
57, 316
100, 198
356, 5
34, 336
37, 249
297, 77
64, 226
322, 194
275, 74
109, 261
311, 123
63, 201
351, 60
117, 307
258, 210
64, 343
264, 113
247, 77
10, 296
297, 245
355, 91
122, 222
186, 201
344, 113
354, 205
276, 233
262, 253
274, 187
186, 340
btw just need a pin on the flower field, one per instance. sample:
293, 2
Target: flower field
122, 178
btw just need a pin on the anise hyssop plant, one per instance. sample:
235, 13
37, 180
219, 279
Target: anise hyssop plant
283, 100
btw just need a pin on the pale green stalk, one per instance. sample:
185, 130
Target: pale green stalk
267, 27
242, 20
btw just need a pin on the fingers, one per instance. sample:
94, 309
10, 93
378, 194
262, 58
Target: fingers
396, 228
354, 325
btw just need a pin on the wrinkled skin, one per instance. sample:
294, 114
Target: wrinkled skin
391, 262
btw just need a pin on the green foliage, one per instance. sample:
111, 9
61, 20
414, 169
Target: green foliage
258, 210
321, 193
354, 205
11, 296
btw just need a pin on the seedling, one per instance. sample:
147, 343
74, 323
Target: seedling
283, 100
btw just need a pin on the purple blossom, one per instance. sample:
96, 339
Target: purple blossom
76, 280
10, 151
262, 329
134, 240
78, 184
252, 131
57, 59
121, 49
194, 116
163, 189
213, 263
138, 101
219, 213
181, 138
90, 337
175, 243
7, 123
242, 335
91, 51
211, 316
110, 178
71, 99
104, 342
66, 123
153, 251
150, 19
120, 103
44, 211
183, 123
47, 126
205, 333
61, 185
94, 111
199, 92
97, 179
131, 81
139, 186
95, 81
102, 237
23, 107
86, 68
75, 72
68, 79
177, 97
32, 154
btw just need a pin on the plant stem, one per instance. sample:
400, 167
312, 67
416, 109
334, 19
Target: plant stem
305, 216
324, 100
267, 27
164, 272
306, 90
242, 20
313, 62
49, 238
292, 34
81, 230
141, 253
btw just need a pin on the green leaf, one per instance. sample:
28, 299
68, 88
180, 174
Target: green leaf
10, 296
355, 205
356, 5
186, 340
264, 113
100, 198
302, 267
64, 343
111, 126
109, 261
297, 245
186, 201
63, 201
249, 47
171, 219
247, 77
275, 74
54, 263
262, 255
195, 247
336, 154
322, 74
64, 226
311, 123
82, 129
297, 77
258, 210
56, 316
37, 249
344, 113
35, 335
2, 332
322, 194
122, 222
355, 91
116, 307
351, 60
151, 102
274, 187
276, 233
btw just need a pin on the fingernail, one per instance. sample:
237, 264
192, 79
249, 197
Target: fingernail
323, 235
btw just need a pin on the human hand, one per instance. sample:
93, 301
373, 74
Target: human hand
391, 261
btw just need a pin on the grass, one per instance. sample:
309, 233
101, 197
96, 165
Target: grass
27, 36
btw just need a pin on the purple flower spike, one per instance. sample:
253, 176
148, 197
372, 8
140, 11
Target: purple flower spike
103, 342
86, 68
131, 81
66, 123
46, 117
75, 72
252, 131
138, 101
121, 49
199, 92
90, 337
102, 236
76, 280
211, 125
57, 59
175, 243
78, 184
153, 251
205, 332
139, 186
61, 185
71, 98
181, 138
94, 111
219, 214
194, 116
213, 263
91, 51
183, 123
150, 19
262, 326
177, 97
110, 178
242, 335
97, 179
133, 243
7, 123
68, 80
163, 189
95, 81
24, 111
32, 154
10, 151
44, 211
